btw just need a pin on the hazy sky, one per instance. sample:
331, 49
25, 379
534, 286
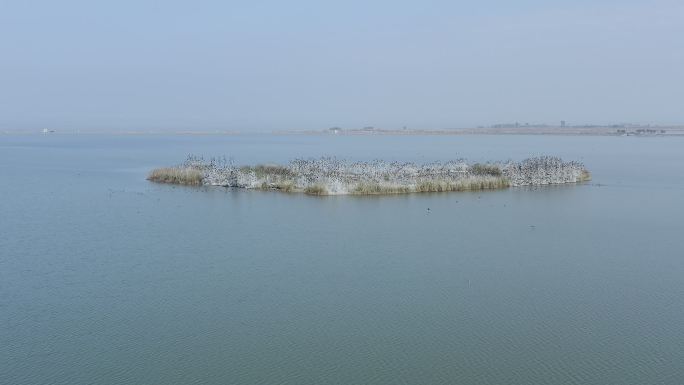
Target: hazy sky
270, 65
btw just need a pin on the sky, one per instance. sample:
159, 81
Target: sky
307, 65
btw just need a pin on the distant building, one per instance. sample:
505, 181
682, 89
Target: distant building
562, 123
335, 130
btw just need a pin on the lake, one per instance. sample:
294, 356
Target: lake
106, 278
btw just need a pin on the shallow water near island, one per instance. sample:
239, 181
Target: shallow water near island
107, 278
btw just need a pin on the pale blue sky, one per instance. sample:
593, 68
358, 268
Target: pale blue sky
272, 65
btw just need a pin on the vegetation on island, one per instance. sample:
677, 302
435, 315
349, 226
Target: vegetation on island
177, 175
331, 176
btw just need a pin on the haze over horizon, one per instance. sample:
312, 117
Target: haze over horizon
267, 65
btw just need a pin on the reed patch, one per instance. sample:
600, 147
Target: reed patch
176, 175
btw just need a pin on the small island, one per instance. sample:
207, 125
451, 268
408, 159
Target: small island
332, 176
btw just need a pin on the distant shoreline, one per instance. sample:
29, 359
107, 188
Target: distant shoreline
613, 130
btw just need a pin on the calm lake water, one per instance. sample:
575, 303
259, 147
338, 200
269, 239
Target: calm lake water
106, 278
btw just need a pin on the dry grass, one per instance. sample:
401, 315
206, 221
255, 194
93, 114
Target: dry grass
268, 170
286, 185
175, 175
485, 169
432, 185
372, 188
473, 183
316, 189
585, 176
283, 185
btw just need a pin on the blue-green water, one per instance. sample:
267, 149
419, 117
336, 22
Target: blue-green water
106, 278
